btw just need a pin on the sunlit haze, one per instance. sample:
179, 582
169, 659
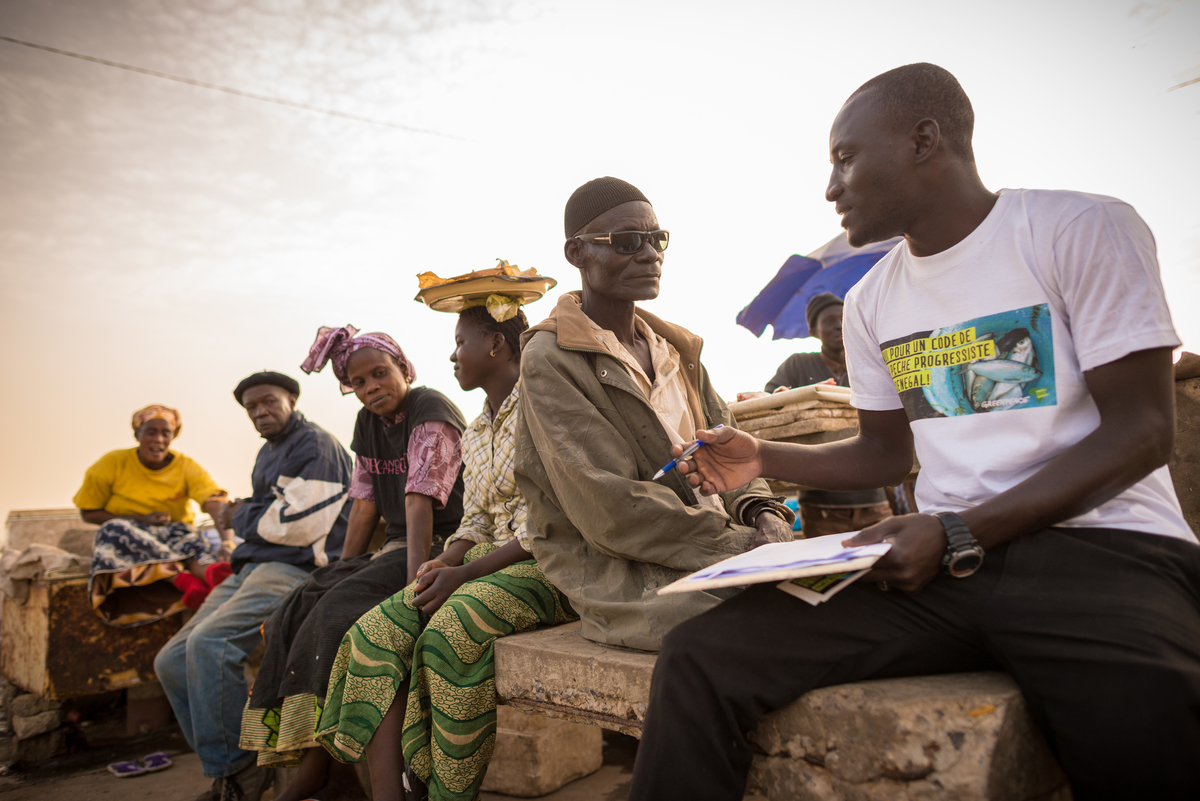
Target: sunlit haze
159, 241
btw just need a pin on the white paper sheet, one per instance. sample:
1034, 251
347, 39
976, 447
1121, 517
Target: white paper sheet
789, 555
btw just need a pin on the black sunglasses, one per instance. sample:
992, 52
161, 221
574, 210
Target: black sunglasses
629, 241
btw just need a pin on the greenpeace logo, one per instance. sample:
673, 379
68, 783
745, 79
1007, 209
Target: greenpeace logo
1004, 402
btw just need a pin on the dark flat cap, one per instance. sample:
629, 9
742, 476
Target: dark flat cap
285, 382
816, 305
594, 198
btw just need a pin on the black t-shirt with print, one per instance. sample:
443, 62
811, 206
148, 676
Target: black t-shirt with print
386, 448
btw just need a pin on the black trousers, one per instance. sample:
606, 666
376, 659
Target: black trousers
1099, 628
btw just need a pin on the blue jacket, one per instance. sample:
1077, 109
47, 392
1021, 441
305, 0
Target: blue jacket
301, 502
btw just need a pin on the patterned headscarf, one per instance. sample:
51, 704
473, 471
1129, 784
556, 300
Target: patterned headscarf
156, 412
336, 344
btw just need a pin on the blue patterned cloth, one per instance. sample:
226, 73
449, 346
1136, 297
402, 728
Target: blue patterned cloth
123, 544
126, 585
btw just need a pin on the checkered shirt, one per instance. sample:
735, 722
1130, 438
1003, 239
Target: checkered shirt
493, 508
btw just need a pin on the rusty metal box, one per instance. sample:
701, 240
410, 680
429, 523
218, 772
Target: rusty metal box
54, 645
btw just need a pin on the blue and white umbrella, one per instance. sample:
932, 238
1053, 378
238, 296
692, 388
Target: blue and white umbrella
833, 267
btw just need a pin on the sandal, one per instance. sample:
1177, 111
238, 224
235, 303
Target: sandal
125, 769
156, 761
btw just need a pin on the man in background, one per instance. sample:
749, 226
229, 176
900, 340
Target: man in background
294, 521
822, 511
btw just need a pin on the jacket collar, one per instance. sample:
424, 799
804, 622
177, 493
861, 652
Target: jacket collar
574, 332
294, 422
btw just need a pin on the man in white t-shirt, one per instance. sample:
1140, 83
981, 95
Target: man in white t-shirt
1021, 341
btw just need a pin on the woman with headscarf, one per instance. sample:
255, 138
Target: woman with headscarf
148, 562
407, 471
407, 686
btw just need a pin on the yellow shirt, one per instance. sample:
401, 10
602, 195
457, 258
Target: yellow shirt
121, 485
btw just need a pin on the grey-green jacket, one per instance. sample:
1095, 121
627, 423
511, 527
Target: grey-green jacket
587, 445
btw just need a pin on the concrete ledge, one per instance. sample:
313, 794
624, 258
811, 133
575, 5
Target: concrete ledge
956, 736
962, 736
556, 672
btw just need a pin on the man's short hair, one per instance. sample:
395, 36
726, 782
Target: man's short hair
915, 92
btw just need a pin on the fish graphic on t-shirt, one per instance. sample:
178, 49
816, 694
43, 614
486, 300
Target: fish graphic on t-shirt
947, 389
992, 363
1005, 376
976, 386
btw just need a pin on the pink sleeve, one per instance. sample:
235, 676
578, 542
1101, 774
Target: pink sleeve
434, 459
360, 483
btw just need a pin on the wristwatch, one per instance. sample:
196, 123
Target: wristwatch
963, 554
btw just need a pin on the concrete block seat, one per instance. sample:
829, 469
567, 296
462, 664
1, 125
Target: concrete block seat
961, 736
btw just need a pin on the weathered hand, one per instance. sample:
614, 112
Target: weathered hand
435, 587
225, 552
729, 459
918, 545
771, 528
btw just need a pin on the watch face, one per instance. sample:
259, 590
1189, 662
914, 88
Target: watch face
965, 563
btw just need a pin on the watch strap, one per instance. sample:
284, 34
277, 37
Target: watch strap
964, 555
958, 536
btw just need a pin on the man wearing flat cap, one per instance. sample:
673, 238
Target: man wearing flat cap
822, 511
294, 521
606, 390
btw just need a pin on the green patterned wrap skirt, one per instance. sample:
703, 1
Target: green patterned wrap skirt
450, 717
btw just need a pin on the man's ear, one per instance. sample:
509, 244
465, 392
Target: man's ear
573, 250
926, 138
292, 398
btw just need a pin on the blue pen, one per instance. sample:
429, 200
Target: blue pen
695, 446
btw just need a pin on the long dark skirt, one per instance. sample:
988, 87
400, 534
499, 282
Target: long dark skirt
301, 640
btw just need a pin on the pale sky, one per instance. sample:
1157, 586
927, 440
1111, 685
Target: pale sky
160, 241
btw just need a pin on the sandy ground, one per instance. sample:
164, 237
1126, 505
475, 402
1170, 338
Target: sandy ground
82, 776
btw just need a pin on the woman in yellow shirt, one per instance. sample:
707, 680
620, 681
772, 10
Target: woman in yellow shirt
148, 561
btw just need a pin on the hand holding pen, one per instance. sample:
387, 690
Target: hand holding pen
729, 459
669, 466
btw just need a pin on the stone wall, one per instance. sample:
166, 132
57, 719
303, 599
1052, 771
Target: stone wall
1185, 460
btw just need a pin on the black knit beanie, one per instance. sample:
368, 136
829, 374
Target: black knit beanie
816, 305
594, 198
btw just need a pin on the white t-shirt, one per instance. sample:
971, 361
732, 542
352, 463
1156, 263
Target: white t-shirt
984, 345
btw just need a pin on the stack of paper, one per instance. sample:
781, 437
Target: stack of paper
819, 589
784, 560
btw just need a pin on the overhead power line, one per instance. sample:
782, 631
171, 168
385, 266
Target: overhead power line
238, 92
1185, 83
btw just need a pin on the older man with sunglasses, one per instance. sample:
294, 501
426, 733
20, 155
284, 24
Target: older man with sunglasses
606, 390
